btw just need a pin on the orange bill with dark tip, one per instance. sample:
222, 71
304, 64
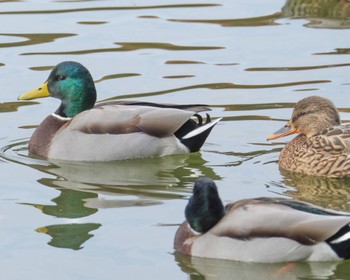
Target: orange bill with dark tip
284, 131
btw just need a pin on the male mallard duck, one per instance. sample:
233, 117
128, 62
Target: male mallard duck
322, 147
261, 229
80, 131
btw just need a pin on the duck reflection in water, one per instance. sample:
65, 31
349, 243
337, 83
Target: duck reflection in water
210, 269
333, 14
69, 205
325, 192
86, 187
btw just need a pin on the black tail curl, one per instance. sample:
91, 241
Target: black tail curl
195, 142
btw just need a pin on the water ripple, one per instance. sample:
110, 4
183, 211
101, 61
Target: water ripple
300, 68
217, 86
254, 21
33, 39
128, 46
94, 9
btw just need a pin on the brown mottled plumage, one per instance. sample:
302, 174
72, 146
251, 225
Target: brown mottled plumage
322, 146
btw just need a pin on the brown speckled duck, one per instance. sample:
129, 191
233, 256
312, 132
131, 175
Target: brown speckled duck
322, 147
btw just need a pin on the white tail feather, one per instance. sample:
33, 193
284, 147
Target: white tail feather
342, 238
200, 129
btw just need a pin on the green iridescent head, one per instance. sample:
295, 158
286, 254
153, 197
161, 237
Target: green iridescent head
70, 82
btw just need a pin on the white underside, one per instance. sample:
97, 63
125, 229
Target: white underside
264, 250
108, 147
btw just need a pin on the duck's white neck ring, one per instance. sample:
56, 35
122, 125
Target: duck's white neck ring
193, 231
61, 118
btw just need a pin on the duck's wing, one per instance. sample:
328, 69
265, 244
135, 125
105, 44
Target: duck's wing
119, 119
334, 140
302, 222
188, 107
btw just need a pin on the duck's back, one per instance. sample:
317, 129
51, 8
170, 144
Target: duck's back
119, 132
272, 230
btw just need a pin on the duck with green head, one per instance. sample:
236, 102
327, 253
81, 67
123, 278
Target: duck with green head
322, 147
79, 130
266, 230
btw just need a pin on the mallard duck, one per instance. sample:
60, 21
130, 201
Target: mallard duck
322, 147
261, 229
81, 131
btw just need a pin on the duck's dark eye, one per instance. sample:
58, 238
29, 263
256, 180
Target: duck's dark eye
61, 78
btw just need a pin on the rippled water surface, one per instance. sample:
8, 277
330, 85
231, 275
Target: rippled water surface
250, 60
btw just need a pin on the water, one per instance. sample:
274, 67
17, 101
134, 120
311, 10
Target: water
250, 60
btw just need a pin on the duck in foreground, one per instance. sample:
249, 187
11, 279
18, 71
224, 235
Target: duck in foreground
79, 130
322, 147
266, 230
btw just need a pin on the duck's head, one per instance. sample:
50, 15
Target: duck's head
70, 82
204, 209
310, 117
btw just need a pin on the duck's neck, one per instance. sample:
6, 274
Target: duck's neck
204, 211
83, 98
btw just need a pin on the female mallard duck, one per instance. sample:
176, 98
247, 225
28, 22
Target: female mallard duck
322, 147
261, 229
80, 131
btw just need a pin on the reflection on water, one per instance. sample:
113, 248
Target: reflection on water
129, 46
83, 187
328, 193
115, 8
218, 86
13, 106
69, 204
322, 13
251, 60
69, 236
254, 21
201, 268
163, 177
33, 39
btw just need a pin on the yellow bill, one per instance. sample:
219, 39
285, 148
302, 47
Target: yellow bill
39, 92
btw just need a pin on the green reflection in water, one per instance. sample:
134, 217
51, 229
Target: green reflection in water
300, 68
336, 51
41, 68
183, 62
92, 22
254, 21
129, 46
69, 204
69, 236
94, 9
117, 76
33, 39
13, 106
217, 86
178, 77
